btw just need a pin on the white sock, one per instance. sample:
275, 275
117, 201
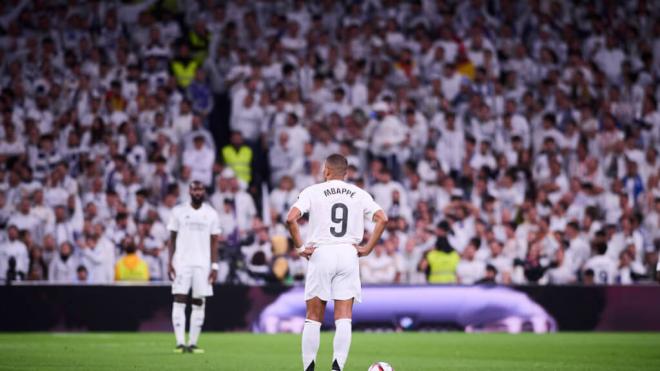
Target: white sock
196, 322
342, 342
179, 322
311, 338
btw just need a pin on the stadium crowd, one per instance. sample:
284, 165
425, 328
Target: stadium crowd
508, 141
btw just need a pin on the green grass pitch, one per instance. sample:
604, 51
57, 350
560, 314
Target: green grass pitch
405, 351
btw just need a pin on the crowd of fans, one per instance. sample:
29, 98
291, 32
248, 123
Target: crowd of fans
507, 141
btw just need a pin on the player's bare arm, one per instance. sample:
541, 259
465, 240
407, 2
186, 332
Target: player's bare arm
172, 248
381, 220
214, 258
294, 230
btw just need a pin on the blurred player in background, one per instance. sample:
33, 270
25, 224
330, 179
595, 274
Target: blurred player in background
337, 211
194, 228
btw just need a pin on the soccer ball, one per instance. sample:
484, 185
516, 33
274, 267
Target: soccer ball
381, 366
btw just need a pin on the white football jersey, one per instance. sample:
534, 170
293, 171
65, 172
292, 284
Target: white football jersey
470, 272
337, 211
194, 228
605, 269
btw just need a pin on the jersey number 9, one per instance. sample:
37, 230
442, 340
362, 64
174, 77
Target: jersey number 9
339, 215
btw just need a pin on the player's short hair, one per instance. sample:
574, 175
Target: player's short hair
337, 164
600, 247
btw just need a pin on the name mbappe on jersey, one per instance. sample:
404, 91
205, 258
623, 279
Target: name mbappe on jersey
338, 191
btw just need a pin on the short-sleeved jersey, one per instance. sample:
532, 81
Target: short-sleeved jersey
605, 269
337, 211
194, 228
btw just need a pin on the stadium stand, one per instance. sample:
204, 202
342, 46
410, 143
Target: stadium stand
516, 140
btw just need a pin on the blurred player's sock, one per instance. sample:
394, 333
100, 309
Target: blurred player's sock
196, 322
179, 322
311, 337
342, 343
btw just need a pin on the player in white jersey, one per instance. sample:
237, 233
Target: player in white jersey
194, 228
337, 211
605, 268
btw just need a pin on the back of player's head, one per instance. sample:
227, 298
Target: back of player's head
589, 274
491, 269
336, 164
599, 247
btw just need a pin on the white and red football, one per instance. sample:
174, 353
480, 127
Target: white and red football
381, 366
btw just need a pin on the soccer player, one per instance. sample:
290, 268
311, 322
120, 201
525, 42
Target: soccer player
194, 228
337, 211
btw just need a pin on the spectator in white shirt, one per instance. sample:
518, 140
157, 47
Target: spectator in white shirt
292, 40
628, 270
248, 119
282, 198
127, 187
64, 229
379, 267
262, 243
451, 82
182, 122
324, 146
319, 93
409, 260
416, 133
388, 133
282, 159
578, 248
382, 191
624, 238
11, 145
562, 271
297, 134
43, 212
14, 258
62, 269
245, 209
429, 167
97, 255
153, 250
338, 104
200, 159
610, 58
503, 263
450, 147
24, 219
469, 270
356, 90
483, 158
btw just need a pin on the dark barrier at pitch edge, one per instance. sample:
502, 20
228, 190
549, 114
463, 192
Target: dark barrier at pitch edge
243, 308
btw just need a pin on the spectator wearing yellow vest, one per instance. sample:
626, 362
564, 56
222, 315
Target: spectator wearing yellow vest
131, 267
184, 67
199, 39
238, 156
440, 263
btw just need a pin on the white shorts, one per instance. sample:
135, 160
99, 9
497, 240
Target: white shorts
333, 273
196, 278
